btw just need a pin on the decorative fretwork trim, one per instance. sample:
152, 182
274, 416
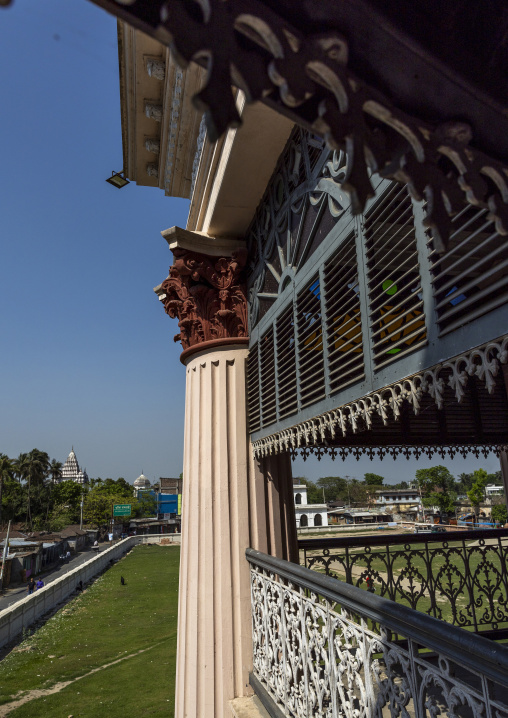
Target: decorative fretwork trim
315, 87
312, 435
396, 451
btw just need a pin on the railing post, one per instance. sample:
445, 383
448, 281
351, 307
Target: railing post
470, 587
349, 568
430, 580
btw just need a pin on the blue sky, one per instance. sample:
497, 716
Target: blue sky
87, 356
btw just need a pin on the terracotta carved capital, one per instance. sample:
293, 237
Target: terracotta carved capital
208, 297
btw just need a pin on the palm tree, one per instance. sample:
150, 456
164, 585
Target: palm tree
6, 472
34, 469
55, 470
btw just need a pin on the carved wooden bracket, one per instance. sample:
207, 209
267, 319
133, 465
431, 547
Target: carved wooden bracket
254, 45
208, 297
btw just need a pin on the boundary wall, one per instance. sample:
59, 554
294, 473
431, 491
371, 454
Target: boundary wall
28, 610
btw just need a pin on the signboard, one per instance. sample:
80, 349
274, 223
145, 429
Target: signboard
121, 509
179, 504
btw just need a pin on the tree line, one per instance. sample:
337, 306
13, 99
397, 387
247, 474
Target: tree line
31, 493
437, 487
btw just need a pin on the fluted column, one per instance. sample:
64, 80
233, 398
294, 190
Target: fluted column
214, 631
230, 501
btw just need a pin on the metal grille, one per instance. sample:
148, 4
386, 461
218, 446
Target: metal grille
315, 146
310, 343
286, 363
343, 319
397, 322
253, 388
268, 396
471, 277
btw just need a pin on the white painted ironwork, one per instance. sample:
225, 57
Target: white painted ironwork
482, 362
325, 649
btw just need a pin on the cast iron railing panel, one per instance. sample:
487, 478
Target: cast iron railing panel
460, 577
325, 649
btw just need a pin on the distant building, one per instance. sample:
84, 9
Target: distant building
167, 497
71, 470
308, 515
141, 484
493, 490
400, 500
170, 486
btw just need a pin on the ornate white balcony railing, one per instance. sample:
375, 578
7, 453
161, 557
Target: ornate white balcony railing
326, 649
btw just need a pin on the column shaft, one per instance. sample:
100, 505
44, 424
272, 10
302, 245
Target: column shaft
214, 628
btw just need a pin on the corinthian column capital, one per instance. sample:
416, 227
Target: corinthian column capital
207, 294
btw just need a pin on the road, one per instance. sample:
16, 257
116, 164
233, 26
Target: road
12, 595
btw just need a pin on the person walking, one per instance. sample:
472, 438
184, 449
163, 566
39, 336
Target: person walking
39, 584
31, 586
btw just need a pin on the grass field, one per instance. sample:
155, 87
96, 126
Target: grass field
109, 652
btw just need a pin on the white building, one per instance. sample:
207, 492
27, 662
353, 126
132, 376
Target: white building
493, 490
71, 470
398, 499
141, 484
308, 514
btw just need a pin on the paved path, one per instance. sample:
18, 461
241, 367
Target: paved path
12, 595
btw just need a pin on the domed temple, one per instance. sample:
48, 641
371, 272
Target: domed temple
141, 484
71, 470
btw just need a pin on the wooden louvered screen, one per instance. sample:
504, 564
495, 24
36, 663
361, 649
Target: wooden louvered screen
397, 322
254, 410
286, 363
268, 395
471, 277
343, 319
310, 343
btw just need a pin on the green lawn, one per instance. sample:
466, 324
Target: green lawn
106, 623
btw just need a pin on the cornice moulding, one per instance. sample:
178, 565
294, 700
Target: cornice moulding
179, 238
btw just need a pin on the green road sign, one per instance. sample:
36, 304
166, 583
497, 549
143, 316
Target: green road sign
121, 509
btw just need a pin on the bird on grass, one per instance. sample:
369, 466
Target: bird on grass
122, 580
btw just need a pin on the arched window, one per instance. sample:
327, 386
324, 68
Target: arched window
298, 498
318, 520
303, 521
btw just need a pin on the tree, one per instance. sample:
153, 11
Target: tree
436, 484
6, 472
66, 500
500, 513
33, 468
314, 494
100, 499
477, 492
358, 492
55, 470
335, 487
373, 479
